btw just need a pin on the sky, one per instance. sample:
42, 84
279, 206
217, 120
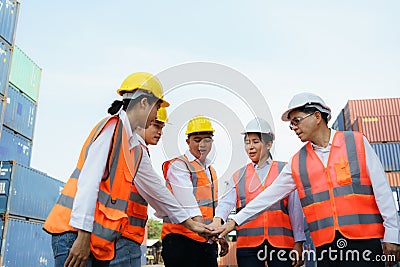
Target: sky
340, 50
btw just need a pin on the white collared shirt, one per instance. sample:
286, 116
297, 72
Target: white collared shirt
284, 184
181, 184
147, 182
227, 203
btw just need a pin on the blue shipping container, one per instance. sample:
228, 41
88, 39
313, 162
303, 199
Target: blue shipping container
5, 60
339, 122
9, 10
389, 155
25, 244
28, 192
14, 146
20, 112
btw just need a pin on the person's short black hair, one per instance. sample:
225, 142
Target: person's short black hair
198, 133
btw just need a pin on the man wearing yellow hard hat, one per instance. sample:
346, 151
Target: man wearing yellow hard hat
152, 134
102, 210
194, 184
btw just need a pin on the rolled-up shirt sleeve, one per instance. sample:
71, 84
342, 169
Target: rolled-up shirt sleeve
152, 188
382, 191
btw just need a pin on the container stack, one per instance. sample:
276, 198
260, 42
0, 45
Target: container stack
26, 198
8, 21
379, 121
20, 109
26, 195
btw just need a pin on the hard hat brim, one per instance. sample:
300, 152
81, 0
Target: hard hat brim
287, 112
164, 103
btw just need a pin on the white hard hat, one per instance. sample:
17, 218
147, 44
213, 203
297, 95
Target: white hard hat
258, 125
308, 100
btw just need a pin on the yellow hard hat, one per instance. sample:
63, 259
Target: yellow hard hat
199, 124
162, 115
144, 81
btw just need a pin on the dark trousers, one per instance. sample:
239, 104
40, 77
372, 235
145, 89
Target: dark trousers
181, 251
346, 252
257, 256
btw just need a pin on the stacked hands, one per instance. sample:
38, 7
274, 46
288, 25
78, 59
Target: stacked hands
216, 232
213, 232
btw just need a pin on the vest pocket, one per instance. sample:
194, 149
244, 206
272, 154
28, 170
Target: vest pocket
343, 174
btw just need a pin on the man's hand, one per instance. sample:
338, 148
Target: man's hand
198, 219
224, 246
225, 229
299, 261
197, 227
391, 249
80, 251
217, 222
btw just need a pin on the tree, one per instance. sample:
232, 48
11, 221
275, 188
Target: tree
154, 229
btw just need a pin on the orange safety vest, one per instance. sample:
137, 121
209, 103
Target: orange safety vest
137, 215
206, 194
338, 197
274, 224
110, 217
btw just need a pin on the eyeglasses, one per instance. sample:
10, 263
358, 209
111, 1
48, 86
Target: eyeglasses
296, 121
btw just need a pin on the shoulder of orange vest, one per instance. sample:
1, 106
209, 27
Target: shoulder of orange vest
167, 164
101, 124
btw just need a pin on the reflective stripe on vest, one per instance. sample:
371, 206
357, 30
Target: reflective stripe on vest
274, 224
340, 196
137, 210
204, 191
110, 214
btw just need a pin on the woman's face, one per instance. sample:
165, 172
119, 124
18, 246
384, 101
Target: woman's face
255, 148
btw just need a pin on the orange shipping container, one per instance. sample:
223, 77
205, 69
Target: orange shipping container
379, 129
369, 107
393, 178
230, 258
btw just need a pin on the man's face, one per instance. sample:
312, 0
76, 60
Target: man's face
153, 133
303, 124
200, 145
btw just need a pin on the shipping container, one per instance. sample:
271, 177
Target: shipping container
27, 192
9, 10
369, 108
393, 178
14, 146
339, 122
389, 155
5, 60
25, 243
25, 74
379, 129
20, 112
2, 110
230, 258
